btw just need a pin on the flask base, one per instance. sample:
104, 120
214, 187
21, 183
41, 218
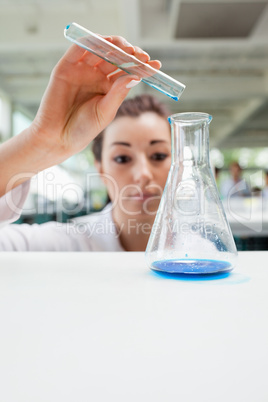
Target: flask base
192, 266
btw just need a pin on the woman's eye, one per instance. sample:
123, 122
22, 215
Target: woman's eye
122, 159
159, 156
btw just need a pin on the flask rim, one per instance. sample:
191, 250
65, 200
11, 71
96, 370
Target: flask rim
190, 117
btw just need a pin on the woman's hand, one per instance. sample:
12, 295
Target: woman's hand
81, 99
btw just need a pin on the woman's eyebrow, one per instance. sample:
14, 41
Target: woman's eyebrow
156, 141
127, 144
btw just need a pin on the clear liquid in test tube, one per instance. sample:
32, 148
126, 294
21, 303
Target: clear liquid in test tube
130, 64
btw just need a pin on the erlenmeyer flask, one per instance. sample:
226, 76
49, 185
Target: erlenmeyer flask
191, 233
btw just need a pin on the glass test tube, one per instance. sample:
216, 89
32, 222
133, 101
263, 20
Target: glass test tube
130, 64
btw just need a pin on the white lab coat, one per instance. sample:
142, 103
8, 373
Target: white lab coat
95, 232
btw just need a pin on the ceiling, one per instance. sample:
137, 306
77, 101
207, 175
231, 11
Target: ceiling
217, 48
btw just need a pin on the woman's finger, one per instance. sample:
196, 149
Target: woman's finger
105, 67
155, 64
141, 54
73, 54
121, 42
116, 74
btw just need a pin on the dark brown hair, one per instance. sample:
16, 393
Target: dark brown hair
132, 107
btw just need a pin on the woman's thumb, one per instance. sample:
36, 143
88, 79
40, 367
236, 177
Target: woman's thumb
117, 93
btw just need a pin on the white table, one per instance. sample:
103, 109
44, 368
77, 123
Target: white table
102, 327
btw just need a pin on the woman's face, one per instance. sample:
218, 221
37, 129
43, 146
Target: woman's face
136, 157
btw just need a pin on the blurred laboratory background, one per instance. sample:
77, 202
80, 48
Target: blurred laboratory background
217, 48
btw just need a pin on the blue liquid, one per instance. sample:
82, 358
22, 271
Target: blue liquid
187, 266
176, 98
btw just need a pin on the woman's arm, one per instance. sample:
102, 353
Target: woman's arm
81, 99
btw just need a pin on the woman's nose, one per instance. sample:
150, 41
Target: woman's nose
142, 171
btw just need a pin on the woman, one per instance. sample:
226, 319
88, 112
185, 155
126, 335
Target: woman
133, 157
82, 98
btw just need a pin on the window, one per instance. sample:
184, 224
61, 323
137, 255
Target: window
5, 118
20, 121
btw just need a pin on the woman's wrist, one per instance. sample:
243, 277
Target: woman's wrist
45, 149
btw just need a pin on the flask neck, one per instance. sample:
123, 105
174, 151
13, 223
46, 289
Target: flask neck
190, 137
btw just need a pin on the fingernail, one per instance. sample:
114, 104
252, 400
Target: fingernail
133, 83
106, 37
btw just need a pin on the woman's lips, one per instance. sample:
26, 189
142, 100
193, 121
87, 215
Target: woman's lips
143, 196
